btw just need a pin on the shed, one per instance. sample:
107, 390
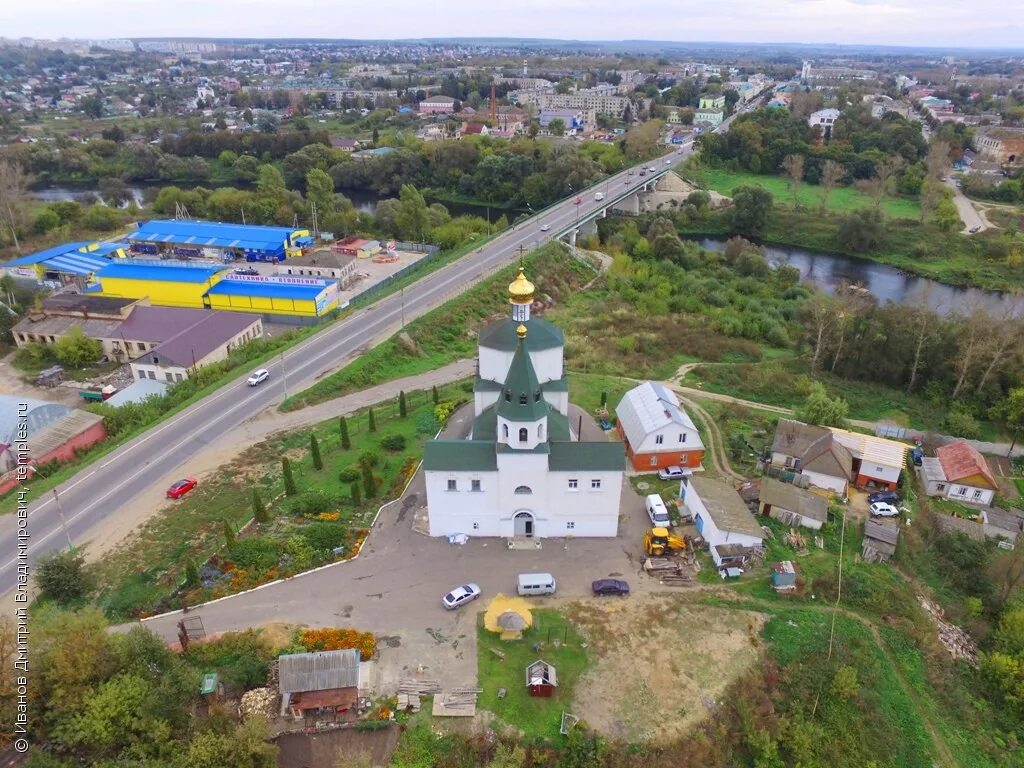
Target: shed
784, 575
879, 543
791, 505
541, 678
508, 616
319, 682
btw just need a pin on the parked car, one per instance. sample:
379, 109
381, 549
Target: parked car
246, 271
630, 172
610, 587
460, 596
545, 227
671, 473
917, 456
181, 487
657, 511
258, 377
881, 509
668, 162
885, 497
975, 228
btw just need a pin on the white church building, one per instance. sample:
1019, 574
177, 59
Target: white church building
522, 472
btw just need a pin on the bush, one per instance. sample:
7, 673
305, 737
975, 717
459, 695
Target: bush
312, 503
242, 658
46, 220
257, 553
349, 475
393, 443
369, 459
960, 423
62, 576
76, 350
337, 639
101, 218
324, 536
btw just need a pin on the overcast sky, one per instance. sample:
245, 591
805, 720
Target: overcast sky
961, 23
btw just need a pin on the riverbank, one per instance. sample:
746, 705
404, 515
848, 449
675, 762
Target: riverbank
975, 261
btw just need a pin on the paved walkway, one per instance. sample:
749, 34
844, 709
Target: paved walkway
968, 213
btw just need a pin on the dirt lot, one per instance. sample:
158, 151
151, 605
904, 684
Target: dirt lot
662, 661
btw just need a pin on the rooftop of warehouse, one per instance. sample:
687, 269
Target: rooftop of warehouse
268, 290
214, 229
174, 272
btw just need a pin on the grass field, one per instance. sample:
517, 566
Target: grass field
841, 199
538, 718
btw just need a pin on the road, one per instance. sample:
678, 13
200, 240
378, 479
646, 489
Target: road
102, 488
973, 221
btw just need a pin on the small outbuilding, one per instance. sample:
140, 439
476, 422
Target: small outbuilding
879, 543
323, 684
541, 679
508, 616
784, 576
791, 505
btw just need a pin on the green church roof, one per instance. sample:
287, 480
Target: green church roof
521, 399
540, 334
464, 455
597, 457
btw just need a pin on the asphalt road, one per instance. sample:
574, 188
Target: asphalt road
973, 222
100, 489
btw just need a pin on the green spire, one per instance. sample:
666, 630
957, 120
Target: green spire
521, 398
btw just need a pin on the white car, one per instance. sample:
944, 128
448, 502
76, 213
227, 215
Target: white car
545, 227
668, 162
881, 509
460, 596
671, 473
258, 377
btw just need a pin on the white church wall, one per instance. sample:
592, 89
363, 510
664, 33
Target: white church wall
474, 513
559, 401
547, 363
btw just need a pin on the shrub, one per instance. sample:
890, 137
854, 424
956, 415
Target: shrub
324, 536
960, 423
259, 509
403, 410
62, 576
289, 479
355, 494
369, 459
371, 420
76, 350
314, 450
443, 410
349, 475
229, 533
312, 503
242, 658
346, 441
393, 443
256, 552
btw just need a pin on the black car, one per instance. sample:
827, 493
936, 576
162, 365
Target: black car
885, 497
610, 587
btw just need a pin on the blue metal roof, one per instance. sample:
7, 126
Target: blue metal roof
49, 253
177, 273
77, 263
213, 235
267, 290
105, 249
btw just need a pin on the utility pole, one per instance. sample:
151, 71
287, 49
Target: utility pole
284, 376
402, 292
63, 521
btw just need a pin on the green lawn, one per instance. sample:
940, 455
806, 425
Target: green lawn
538, 718
585, 390
841, 199
193, 528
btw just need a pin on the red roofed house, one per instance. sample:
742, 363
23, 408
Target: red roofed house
478, 129
959, 472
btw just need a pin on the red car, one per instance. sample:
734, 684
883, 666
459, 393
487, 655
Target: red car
181, 487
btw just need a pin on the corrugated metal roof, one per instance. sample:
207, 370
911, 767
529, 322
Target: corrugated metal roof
214, 234
597, 457
267, 290
49, 253
787, 496
38, 413
318, 671
76, 263
931, 470
460, 455
962, 460
877, 450
881, 532
647, 408
173, 273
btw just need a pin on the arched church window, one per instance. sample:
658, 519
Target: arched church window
524, 435
523, 399
524, 490
540, 431
536, 396
508, 395
504, 431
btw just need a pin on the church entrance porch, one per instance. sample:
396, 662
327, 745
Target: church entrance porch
523, 524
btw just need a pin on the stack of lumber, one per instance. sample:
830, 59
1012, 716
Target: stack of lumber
408, 702
660, 564
420, 687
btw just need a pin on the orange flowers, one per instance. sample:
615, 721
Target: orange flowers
337, 639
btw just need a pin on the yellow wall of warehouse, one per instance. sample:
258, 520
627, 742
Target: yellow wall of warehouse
263, 304
160, 293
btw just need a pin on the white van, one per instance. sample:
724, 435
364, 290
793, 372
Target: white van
536, 584
657, 511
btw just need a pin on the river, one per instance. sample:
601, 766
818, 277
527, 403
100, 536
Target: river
363, 200
827, 271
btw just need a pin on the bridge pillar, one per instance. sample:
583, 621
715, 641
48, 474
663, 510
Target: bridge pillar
588, 227
629, 204
572, 238
604, 213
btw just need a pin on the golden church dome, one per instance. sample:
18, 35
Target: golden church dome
521, 331
520, 290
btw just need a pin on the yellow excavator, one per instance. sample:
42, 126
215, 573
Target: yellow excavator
658, 542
